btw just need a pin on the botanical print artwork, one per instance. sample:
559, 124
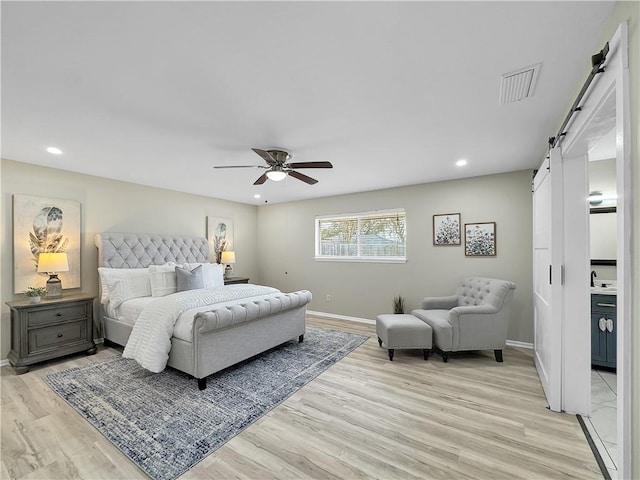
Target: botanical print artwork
480, 239
44, 225
220, 235
446, 229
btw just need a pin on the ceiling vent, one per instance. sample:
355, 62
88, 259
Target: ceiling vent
518, 85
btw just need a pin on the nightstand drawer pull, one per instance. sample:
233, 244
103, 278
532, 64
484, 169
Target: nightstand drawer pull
58, 314
606, 304
59, 335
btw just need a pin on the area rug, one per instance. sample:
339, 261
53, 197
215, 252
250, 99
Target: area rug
165, 425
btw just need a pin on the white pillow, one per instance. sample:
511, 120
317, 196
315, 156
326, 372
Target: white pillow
212, 273
163, 279
121, 284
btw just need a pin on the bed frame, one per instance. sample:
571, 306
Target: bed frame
264, 323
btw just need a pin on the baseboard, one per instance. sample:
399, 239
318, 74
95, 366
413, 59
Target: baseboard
516, 343
511, 343
335, 316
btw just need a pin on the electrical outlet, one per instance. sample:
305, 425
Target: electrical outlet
328, 298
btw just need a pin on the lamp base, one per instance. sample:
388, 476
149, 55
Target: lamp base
228, 270
54, 286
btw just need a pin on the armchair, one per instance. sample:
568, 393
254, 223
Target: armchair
475, 318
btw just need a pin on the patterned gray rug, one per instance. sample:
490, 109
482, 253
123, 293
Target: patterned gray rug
166, 425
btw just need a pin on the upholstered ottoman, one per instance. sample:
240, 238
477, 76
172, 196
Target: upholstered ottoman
403, 331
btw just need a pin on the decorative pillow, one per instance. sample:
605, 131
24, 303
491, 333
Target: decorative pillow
163, 279
212, 273
121, 284
189, 279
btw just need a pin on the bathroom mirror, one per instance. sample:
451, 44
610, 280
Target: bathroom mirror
603, 236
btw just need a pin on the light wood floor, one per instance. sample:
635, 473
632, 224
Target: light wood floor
365, 417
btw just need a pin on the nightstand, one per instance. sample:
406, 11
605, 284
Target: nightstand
50, 329
234, 280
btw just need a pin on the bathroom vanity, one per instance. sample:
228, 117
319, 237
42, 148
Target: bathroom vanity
603, 327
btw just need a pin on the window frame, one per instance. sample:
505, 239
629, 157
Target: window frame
359, 258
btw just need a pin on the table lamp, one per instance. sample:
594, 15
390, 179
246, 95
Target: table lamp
227, 258
53, 263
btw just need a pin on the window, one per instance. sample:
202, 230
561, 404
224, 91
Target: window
362, 237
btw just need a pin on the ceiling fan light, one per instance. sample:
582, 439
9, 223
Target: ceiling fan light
276, 175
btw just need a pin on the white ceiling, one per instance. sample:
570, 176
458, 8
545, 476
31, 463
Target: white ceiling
391, 93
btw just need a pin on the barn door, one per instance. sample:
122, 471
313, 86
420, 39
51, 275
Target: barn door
547, 284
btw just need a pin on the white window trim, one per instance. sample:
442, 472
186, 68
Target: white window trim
370, 213
358, 259
362, 259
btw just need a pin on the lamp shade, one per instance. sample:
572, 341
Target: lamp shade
53, 262
228, 257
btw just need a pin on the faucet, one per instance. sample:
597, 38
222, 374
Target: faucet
593, 275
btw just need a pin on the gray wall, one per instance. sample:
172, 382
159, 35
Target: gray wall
286, 247
283, 254
114, 206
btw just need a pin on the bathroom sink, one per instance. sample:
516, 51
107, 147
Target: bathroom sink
604, 290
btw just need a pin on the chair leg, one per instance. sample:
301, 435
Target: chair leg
391, 352
202, 383
379, 341
498, 354
300, 338
425, 353
445, 357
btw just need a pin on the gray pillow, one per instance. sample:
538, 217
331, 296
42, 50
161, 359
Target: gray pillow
189, 279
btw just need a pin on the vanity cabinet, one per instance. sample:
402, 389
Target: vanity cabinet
603, 330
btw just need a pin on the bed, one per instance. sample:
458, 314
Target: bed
216, 326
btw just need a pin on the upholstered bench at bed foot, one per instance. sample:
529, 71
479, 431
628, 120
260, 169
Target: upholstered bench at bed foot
403, 331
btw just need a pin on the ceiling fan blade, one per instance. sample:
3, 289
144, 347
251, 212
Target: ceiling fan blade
239, 166
261, 180
310, 165
302, 176
266, 156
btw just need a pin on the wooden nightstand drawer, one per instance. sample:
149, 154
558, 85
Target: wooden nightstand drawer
58, 335
56, 314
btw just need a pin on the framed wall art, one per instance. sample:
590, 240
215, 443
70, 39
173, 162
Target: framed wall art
44, 225
220, 235
480, 239
446, 229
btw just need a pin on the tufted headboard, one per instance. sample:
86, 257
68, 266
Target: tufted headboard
139, 250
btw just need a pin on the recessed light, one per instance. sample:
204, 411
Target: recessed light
461, 163
257, 195
54, 150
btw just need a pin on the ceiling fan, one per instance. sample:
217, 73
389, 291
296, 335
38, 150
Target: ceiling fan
278, 166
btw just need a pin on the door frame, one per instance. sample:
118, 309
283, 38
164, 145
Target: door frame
614, 80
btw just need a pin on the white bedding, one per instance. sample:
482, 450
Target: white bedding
172, 315
129, 311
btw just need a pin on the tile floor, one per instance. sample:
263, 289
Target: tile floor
602, 424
